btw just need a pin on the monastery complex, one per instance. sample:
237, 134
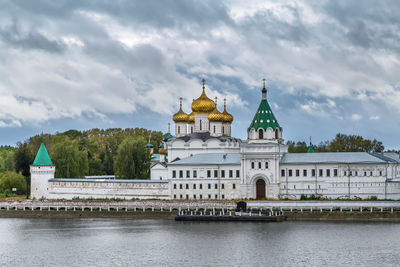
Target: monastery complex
203, 161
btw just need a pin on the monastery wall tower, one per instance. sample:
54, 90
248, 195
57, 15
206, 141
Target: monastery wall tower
42, 169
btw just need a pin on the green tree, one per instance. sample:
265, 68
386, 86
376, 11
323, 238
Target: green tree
7, 158
69, 160
11, 180
132, 160
23, 158
341, 143
355, 143
299, 147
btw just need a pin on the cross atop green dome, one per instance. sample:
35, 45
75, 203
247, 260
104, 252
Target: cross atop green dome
42, 157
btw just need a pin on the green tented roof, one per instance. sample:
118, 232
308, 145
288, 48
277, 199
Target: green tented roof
42, 157
264, 118
310, 149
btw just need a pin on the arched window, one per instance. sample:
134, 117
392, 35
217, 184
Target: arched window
200, 125
214, 129
276, 134
179, 129
223, 129
191, 129
260, 134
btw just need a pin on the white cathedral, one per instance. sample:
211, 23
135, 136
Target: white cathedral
203, 161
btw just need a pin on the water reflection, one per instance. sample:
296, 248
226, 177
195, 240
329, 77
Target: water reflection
122, 242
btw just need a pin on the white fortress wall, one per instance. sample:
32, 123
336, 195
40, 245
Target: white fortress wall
101, 189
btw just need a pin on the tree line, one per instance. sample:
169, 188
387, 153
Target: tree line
119, 152
341, 143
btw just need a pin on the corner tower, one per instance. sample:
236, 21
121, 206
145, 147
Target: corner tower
42, 169
264, 128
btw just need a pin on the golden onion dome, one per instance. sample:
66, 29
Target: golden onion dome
215, 115
227, 118
203, 104
191, 118
180, 116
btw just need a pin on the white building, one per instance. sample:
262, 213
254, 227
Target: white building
203, 161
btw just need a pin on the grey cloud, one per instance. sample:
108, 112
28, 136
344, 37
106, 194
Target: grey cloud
133, 52
30, 40
370, 24
161, 14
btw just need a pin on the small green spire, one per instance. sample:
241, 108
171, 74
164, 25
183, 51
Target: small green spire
149, 145
310, 147
42, 157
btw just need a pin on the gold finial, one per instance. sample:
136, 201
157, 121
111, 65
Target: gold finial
224, 103
204, 82
216, 98
180, 102
264, 83
169, 127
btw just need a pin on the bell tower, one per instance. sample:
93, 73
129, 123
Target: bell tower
261, 155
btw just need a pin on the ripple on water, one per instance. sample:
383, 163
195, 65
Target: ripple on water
122, 242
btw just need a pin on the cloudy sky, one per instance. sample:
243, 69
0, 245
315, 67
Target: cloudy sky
331, 66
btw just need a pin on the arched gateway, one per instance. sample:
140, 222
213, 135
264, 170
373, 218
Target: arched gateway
260, 189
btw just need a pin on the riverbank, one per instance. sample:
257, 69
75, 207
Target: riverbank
164, 209
87, 214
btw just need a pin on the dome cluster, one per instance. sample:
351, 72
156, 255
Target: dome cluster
203, 104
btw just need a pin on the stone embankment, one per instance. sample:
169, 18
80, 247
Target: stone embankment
293, 210
332, 210
97, 208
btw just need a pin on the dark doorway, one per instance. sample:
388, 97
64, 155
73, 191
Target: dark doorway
260, 134
260, 189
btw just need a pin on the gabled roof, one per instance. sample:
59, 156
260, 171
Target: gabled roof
389, 157
42, 157
210, 159
330, 157
393, 156
264, 118
164, 164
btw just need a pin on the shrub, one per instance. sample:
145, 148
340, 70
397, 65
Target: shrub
11, 180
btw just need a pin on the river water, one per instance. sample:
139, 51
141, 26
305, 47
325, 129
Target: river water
129, 242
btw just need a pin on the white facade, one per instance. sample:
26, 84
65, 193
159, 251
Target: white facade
207, 164
40, 175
